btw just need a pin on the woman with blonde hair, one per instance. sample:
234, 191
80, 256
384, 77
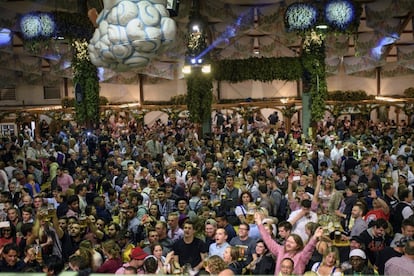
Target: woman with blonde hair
231, 257
113, 260
325, 194
329, 264
89, 254
214, 265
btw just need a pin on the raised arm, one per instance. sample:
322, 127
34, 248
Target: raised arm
290, 189
272, 245
315, 199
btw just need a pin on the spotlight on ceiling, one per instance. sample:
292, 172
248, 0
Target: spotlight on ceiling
5, 37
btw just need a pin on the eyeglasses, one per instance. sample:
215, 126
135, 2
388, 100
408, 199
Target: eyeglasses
6, 230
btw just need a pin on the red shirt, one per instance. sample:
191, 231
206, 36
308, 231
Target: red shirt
376, 214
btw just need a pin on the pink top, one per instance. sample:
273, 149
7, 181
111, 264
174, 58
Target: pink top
300, 259
64, 181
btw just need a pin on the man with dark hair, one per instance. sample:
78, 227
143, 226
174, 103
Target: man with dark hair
301, 217
71, 240
129, 219
243, 239
222, 222
10, 259
53, 266
374, 238
165, 205
101, 211
284, 230
118, 178
81, 190
369, 177
113, 230
73, 206
111, 201
189, 249
402, 168
403, 265
337, 177
350, 163
230, 198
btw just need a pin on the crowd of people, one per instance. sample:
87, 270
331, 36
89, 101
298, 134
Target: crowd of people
248, 198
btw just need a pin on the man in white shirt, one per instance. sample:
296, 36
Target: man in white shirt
337, 152
402, 168
168, 157
301, 217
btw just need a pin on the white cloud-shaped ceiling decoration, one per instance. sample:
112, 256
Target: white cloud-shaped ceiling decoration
131, 33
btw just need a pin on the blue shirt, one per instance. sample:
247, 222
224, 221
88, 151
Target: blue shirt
218, 250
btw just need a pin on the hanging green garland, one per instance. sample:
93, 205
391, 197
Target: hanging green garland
86, 75
314, 75
199, 96
258, 69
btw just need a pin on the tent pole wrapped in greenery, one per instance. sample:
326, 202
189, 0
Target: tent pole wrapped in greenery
199, 96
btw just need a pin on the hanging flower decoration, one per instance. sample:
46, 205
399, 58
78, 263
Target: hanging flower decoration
339, 14
37, 25
314, 39
300, 17
30, 26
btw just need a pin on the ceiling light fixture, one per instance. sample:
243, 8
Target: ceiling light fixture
5, 37
197, 54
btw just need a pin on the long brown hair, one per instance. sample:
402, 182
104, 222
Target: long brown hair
298, 241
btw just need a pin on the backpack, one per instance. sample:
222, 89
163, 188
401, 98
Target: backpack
283, 210
398, 217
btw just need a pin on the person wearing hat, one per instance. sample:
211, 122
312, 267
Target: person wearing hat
403, 265
359, 265
210, 228
137, 258
281, 179
355, 242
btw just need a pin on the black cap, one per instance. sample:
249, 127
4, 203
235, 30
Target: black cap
357, 239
